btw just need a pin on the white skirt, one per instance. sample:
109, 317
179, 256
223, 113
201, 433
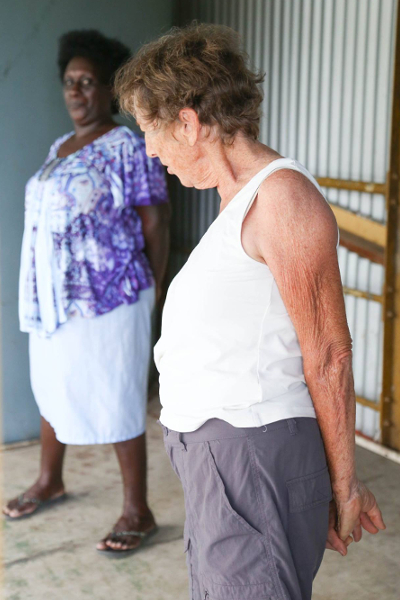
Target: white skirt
90, 377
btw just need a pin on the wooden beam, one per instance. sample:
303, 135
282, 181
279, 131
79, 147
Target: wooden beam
362, 247
369, 187
368, 403
362, 227
361, 294
390, 403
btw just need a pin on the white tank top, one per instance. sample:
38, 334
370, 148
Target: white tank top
228, 347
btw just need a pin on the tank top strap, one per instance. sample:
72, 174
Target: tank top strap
249, 192
276, 165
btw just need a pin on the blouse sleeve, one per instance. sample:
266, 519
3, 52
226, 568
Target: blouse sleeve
145, 181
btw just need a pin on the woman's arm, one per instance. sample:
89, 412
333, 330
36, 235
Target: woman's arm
296, 235
155, 223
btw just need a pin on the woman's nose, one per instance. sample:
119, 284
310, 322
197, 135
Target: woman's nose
75, 88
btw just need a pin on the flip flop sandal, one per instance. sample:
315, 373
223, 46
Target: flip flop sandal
40, 505
118, 553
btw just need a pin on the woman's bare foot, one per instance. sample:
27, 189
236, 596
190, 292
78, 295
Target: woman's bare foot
117, 540
29, 501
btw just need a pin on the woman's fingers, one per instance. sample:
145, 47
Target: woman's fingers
335, 543
351, 511
329, 546
370, 506
348, 521
360, 511
367, 523
357, 532
375, 517
338, 545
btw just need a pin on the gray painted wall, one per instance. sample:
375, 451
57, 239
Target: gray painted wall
32, 115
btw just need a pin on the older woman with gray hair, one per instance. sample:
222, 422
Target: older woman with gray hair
256, 385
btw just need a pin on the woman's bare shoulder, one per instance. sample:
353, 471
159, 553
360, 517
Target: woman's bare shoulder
290, 215
290, 201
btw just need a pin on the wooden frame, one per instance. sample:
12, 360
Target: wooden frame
390, 399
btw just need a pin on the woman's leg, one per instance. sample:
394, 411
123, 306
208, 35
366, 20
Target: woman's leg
49, 484
136, 514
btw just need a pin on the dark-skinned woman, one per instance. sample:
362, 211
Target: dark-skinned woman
93, 258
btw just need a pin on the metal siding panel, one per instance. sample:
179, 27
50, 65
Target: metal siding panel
285, 79
293, 68
315, 89
326, 96
348, 106
275, 76
266, 87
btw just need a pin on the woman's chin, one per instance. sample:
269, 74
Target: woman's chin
78, 115
186, 182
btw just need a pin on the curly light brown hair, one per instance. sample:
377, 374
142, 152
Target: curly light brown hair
201, 67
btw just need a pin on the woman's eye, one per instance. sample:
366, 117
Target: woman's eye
84, 83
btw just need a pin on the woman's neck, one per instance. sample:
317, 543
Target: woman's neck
94, 129
84, 136
233, 165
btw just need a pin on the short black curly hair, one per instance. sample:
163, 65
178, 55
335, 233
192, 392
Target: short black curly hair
107, 54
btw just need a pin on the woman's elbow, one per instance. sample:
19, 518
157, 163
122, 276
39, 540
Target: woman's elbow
328, 359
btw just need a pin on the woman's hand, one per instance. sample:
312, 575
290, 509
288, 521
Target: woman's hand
360, 510
333, 541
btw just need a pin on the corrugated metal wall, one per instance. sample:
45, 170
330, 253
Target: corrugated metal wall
327, 96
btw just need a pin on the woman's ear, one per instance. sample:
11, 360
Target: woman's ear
189, 126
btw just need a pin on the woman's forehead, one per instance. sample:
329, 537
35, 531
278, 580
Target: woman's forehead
142, 119
79, 65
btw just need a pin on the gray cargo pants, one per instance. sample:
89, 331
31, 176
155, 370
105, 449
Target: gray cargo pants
256, 504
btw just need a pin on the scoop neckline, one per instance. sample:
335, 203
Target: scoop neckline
68, 136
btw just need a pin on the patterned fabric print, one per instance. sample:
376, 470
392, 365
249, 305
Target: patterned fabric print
96, 234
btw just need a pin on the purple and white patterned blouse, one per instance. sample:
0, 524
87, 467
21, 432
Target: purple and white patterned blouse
83, 245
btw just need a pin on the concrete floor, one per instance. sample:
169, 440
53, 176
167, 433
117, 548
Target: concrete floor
52, 556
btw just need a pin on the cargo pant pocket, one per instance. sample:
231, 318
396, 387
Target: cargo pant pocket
234, 562
309, 491
309, 498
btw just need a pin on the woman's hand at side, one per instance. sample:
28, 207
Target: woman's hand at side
357, 512
348, 517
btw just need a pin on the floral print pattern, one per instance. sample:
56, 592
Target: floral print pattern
96, 234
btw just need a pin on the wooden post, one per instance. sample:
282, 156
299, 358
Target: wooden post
390, 398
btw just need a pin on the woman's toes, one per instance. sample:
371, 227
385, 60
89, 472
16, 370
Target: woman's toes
101, 545
15, 513
25, 509
118, 543
10, 506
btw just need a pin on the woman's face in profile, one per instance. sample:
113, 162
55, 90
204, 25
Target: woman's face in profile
87, 99
167, 143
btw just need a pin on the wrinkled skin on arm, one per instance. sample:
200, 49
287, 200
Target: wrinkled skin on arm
292, 229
